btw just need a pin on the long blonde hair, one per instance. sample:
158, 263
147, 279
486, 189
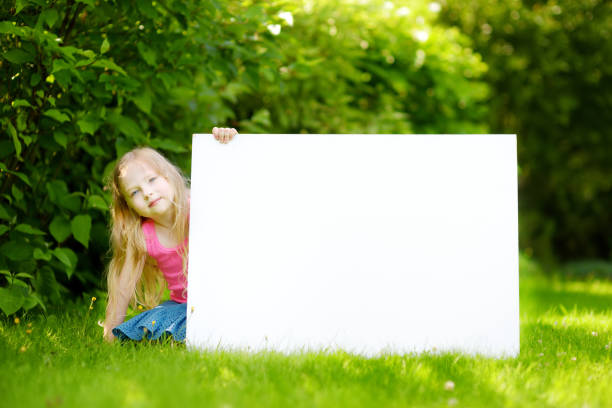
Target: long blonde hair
126, 234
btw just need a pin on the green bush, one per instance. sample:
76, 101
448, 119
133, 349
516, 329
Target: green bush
367, 67
550, 66
88, 80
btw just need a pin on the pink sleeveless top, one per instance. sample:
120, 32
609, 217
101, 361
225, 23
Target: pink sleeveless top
168, 260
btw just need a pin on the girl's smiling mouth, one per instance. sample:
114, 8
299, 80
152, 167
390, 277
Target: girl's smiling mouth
154, 202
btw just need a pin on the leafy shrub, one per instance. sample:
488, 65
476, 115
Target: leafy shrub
550, 66
366, 67
87, 81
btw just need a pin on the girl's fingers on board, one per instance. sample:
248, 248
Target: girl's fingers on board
230, 135
224, 135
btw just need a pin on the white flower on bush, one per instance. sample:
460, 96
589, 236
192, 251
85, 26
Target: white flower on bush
420, 58
275, 29
402, 11
287, 16
434, 7
420, 35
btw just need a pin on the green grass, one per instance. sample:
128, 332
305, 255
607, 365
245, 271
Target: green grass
564, 362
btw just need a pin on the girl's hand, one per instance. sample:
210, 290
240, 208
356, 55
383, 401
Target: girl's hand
224, 135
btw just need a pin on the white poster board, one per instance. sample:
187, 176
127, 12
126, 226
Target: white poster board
365, 243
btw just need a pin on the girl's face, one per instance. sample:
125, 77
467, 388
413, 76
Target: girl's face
146, 191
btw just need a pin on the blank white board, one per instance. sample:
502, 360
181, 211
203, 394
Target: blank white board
366, 243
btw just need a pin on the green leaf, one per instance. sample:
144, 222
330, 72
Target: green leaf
82, 63
143, 100
108, 64
21, 176
3, 214
68, 51
33, 300
19, 282
168, 145
60, 138
59, 65
19, 5
147, 54
168, 79
16, 193
104, 47
7, 28
35, 79
126, 125
70, 202
89, 124
68, 258
22, 118
81, 228
262, 117
58, 194
20, 102
254, 12
28, 229
147, 8
16, 142
18, 56
16, 250
49, 16
60, 228
89, 54
57, 115
122, 146
3, 229
24, 275
92, 150
56, 189
27, 139
62, 256
43, 256
46, 284
97, 202
233, 90
11, 299
29, 302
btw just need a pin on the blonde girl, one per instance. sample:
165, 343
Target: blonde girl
149, 238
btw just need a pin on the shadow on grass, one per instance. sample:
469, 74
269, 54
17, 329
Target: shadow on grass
552, 294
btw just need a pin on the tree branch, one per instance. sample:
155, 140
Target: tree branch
66, 17
78, 11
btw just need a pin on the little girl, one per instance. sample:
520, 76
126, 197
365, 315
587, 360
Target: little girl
149, 237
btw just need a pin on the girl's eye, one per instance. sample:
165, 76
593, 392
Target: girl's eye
152, 179
133, 193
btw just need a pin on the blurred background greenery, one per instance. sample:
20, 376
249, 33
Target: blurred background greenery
82, 81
